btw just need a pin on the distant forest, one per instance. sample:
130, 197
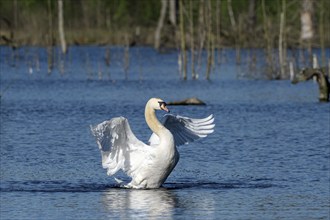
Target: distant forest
168, 23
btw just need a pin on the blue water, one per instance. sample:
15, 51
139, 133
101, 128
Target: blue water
269, 157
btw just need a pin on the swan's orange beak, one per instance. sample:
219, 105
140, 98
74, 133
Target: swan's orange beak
163, 107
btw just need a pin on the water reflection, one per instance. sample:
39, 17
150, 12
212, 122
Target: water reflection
139, 203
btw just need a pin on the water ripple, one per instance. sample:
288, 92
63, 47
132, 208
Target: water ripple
217, 186
64, 186
52, 186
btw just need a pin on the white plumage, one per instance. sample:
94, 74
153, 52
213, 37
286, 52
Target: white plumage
147, 165
185, 130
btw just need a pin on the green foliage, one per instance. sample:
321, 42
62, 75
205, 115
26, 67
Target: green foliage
127, 14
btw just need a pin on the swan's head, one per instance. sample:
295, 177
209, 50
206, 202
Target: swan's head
158, 104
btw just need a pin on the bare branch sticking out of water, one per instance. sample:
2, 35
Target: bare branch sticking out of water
126, 57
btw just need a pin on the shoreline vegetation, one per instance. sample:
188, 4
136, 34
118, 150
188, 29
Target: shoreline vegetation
189, 26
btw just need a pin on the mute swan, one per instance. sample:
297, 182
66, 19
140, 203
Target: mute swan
147, 165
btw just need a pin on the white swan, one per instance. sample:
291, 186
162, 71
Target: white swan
147, 165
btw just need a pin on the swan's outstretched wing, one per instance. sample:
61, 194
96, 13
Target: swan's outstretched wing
184, 129
119, 147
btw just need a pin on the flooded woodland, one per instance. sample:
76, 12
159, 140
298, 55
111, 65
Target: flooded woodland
278, 35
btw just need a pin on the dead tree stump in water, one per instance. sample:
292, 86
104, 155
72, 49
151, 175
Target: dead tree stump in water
189, 101
321, 78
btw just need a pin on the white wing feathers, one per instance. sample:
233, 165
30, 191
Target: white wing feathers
118, 145
120, 149
184, 129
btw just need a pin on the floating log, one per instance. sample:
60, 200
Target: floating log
189, 101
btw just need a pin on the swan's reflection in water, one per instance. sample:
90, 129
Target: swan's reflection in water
129, 203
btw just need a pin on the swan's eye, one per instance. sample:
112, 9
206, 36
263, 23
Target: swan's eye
162, 106
162, 103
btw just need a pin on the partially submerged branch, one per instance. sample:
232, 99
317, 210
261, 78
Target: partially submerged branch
322, 80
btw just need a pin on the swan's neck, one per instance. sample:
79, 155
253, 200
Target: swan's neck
152, 121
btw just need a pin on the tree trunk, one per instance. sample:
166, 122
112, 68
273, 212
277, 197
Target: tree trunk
268, 50
15, 25
238, 40
84, 5
202, 32
172, 12
218, 28
126, 56
292, 73
160, 24
231, 15
99, 18
252, 18
61, 26
280, 46
307, 32
209, 40
306, 20
321, 33
192, 46
50, 60
183, 41
282, 42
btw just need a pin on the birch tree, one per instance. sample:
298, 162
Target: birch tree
183, 41
61, 26
160, 24
307, 32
